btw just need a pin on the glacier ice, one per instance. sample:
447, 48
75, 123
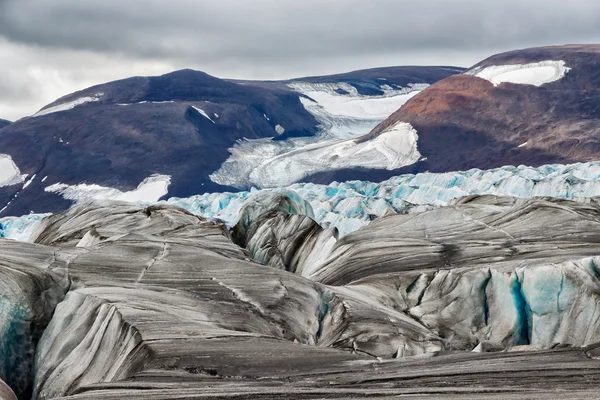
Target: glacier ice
32, 283
161, 302
347, 206
19, 228
278, 229
266, 163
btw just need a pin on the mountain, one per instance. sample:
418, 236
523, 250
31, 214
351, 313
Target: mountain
532, 106
4, 123
187, 132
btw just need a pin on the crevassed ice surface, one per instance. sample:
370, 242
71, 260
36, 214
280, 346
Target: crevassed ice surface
20, 228
535, 74
343, 115
349, 205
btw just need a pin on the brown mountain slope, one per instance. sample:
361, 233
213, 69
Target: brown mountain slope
465, 121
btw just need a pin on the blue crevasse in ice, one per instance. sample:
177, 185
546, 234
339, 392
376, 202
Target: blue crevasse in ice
350, 205
19, 228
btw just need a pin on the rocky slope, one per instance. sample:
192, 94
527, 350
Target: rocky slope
531, 107
175, 134
4, 123
491, 296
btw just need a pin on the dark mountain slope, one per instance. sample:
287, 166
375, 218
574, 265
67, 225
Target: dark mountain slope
180, 124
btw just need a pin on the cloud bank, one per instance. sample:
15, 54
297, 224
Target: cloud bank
50, 48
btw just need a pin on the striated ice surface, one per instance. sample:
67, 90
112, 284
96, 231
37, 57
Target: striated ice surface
349, 205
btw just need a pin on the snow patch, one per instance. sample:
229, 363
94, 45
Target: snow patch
146, 102
523, 144
203, 113
536, 74
149, 191
9, 172
28, 182
70, 105
279, 129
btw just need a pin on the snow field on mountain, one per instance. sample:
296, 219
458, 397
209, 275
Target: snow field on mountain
69, 105
9, 172
536, 74
150, 190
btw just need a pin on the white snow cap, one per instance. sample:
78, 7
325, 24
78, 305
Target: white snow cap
9, 172
150, 190
536, 74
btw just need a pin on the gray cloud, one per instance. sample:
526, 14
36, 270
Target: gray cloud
76, 43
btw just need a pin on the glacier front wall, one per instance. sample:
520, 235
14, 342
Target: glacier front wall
349, 205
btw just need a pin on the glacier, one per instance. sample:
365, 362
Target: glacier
346, 206
154, 302
113, 299
343, 115
20, 228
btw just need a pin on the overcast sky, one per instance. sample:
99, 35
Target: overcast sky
49, 48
